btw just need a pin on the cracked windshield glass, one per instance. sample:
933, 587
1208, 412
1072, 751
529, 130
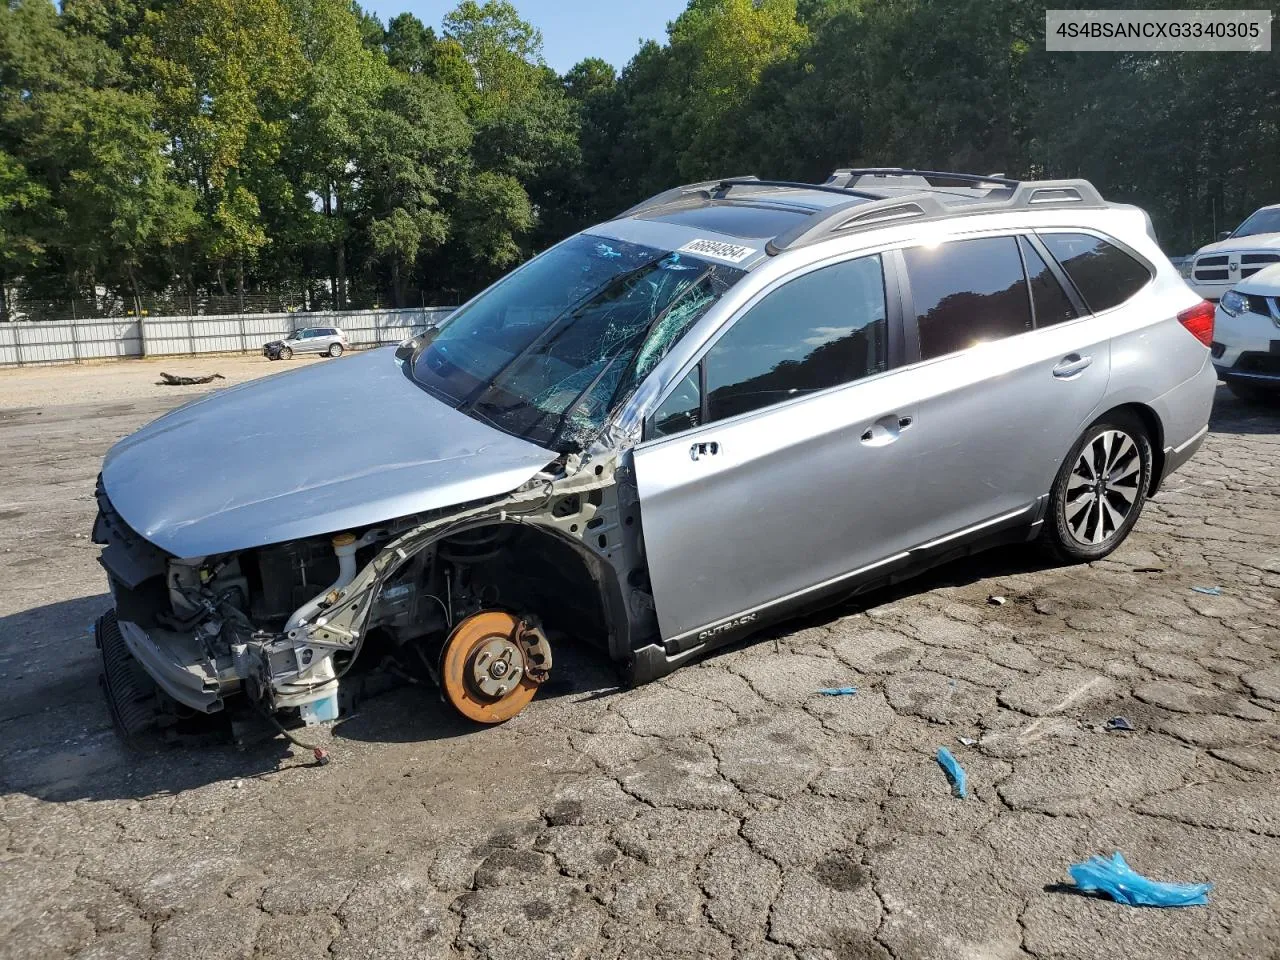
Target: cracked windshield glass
549, 351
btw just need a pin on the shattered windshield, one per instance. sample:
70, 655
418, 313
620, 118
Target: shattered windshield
550, 350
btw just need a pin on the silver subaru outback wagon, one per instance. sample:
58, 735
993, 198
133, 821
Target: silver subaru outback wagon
735, 400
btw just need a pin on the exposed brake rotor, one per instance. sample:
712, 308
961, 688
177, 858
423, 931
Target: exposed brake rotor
492, 665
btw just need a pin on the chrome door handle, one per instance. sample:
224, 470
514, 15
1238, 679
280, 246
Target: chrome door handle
1071, 365
708, 449
885, 430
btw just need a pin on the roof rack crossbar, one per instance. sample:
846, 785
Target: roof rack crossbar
851, 174
726, 185
679, 194
719, 189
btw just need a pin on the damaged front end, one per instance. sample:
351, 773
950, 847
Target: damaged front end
458, 594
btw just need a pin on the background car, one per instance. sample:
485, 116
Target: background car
1246, 341
329, 341
1238, 255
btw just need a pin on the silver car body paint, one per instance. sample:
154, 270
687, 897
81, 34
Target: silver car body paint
794, 501
321, 448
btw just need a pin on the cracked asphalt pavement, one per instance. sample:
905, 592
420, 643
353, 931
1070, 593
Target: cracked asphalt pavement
726, 810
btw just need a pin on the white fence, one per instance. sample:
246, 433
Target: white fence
72, 341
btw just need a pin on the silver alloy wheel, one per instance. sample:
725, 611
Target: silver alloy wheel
1103, 487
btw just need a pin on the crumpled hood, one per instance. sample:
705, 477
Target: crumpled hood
334, 445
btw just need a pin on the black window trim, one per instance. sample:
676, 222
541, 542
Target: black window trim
1106, 238
1065, 282
897, 347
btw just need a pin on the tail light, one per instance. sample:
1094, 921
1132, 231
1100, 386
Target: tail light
1199, 321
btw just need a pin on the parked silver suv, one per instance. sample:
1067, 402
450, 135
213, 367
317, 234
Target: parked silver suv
329, 341
737, 399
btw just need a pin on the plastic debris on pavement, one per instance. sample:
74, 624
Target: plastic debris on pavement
1209, 591
1119, 725
955, 773
1115, 878
967, 741
173, 380
838, 691
996, 600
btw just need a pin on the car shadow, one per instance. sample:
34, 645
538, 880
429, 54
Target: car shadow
57, 742
1233, 415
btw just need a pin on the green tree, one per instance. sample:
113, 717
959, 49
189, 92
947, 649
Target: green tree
225, 74
588, 78
340, 85
22, 203
493, 211
502, 49
414, 154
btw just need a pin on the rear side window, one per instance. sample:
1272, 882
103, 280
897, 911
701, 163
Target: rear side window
967, 292
1103, 273
820, 330
1048, 299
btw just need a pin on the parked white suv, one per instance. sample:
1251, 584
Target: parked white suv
1246, 340
1252, 246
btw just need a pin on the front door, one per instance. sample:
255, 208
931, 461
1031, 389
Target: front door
777, 466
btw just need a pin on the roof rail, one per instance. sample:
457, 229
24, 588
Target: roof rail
719, 189
917, 207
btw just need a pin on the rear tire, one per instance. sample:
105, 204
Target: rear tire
335, 350
1252, 394
1100, 490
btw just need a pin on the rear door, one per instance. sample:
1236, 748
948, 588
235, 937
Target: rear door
777, 465
1012, 369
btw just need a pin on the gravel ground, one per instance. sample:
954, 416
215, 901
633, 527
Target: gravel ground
117, 382
724, 811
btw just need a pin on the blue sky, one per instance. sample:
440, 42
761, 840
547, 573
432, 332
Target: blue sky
571, 29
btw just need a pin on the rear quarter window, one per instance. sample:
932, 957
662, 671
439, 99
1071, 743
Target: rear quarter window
1104, 274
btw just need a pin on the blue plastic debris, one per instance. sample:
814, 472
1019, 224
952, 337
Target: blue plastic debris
838, 691
1116, 879
1209, 591
955, 772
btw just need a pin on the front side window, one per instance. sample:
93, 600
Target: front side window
1103, 273
682, 410
967, 292
820, 330
550, 350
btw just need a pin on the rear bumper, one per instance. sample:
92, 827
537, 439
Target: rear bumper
1184, 416
1175, 457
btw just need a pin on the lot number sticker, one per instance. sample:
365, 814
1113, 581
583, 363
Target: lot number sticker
714, 248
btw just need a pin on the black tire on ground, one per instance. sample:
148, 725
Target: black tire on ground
335, 350
1070, 533
1253, 394
130, 693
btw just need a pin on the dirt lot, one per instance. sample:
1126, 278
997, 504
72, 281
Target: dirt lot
727, 810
